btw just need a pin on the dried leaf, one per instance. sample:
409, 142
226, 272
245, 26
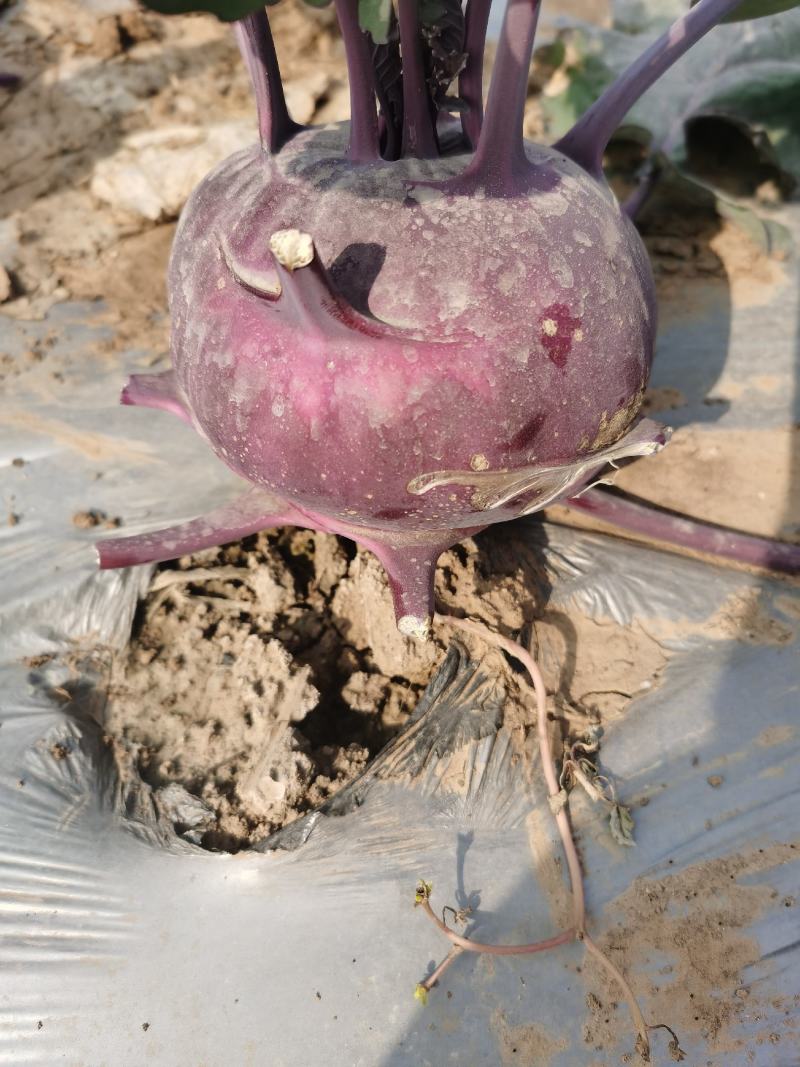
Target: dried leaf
643, 1048
586, 778
675, 1051
590, 739
620, 822
558, 802
442, 26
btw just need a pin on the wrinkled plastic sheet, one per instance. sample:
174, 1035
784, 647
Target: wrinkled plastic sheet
122, 943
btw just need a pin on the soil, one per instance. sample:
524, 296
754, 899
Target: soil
757, 467
262, 676
705, 947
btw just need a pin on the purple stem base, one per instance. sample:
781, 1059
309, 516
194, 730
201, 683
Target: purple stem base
408, 558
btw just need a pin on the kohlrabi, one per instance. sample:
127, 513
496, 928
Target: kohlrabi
407, 327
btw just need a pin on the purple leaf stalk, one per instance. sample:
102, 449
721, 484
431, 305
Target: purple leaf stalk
400, 330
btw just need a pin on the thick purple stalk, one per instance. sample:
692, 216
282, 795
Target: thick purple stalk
419, 127
308, 295
159, 391
671, 529
364, 144
499, 161
470, 82
255, 510
254, 38
588, 138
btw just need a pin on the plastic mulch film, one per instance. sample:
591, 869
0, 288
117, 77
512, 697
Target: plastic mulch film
122, 943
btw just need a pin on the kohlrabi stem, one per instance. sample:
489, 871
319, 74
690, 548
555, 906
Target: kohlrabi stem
307, 293
558, 804
588, 138
254, 38
500, 153
364, 144
470, 82
657, 524
419, 129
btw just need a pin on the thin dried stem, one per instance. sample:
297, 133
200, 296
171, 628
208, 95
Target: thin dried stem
627, 992
429, 982
513, 648
466, 944
559, 807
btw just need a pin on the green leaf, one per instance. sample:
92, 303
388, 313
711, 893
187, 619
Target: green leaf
374, 17
741, 82
227, 10
431, 11
583, 79
423, 891
757, 9
768, 102
772, 237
